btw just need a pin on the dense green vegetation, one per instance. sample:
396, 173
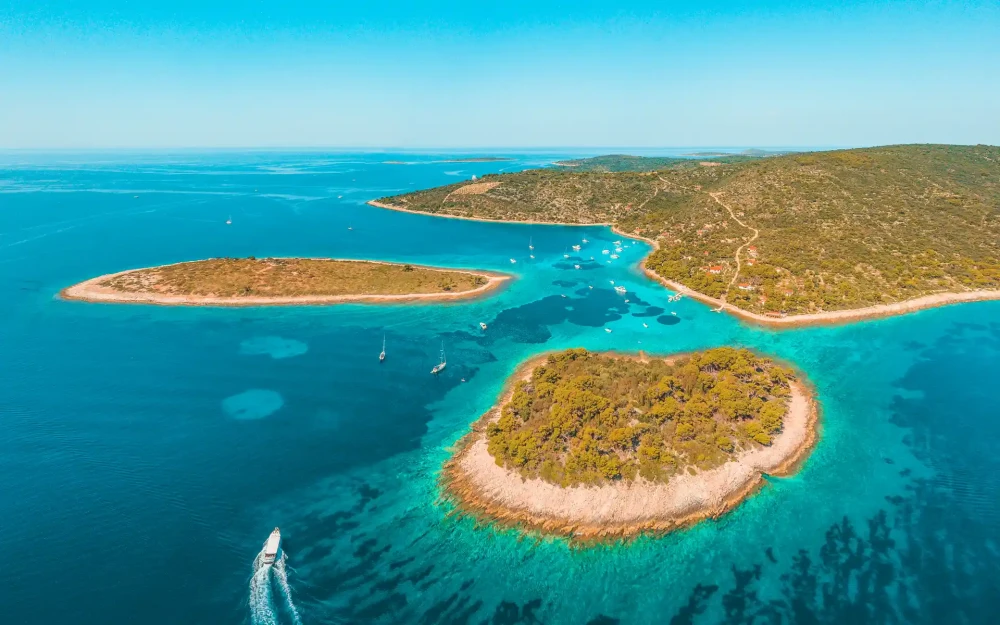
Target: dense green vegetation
838, 230
291, 277
587, 418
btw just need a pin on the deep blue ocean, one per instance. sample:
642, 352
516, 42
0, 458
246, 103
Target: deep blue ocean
146, 452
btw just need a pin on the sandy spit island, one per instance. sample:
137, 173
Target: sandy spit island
494, 494
336, 281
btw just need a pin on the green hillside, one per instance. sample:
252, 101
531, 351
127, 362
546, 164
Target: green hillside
837, 230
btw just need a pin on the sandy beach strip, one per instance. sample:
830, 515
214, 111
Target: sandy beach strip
791, 321
92, 291
482, 489
402, 209
830, 317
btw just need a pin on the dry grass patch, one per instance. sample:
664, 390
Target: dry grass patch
292, 277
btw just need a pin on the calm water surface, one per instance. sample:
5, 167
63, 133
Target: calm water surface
146, 452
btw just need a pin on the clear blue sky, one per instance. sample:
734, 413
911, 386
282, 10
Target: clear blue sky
268, 73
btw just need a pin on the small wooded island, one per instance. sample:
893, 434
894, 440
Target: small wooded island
270, 281
606, 446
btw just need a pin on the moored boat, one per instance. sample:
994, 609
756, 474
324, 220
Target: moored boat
482, 325
381, 356
438, 368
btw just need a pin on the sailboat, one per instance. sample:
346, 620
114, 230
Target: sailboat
586, 241
530, 246
381, 356
229, 221
438, 368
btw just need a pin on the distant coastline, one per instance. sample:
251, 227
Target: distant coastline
482, 489
97, 290
478, 159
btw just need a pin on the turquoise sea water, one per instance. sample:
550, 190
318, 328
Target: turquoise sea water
146, 452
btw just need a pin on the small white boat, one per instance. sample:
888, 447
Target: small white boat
482, 325
608, 330
627, 301
576, 248
614, 256
617, 243
381, 356
565, 255
618, 249
530, 246
645, 325
576, 266
620, 290
229, 221
605, 251
590, 286
531, 256
674, 314
340, 196
271, 547
591, 258
512, 261
350, 227
562, 295
612, 281
586, 241
438, 368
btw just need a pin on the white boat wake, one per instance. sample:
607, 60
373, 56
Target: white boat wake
263, 611
281, 576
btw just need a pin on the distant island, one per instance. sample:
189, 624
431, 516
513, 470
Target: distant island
597, 446
478, 159
272, 281
794, 239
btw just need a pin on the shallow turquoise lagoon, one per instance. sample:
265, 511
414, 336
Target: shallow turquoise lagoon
146, 452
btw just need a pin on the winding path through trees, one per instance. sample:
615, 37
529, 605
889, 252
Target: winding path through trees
756, 233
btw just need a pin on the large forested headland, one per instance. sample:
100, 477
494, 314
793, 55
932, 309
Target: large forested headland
779, 235
261, 281
602, 445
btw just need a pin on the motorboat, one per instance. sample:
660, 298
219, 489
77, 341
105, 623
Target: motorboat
482, 325
271, 546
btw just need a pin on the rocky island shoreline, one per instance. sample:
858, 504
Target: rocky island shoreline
476, 481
